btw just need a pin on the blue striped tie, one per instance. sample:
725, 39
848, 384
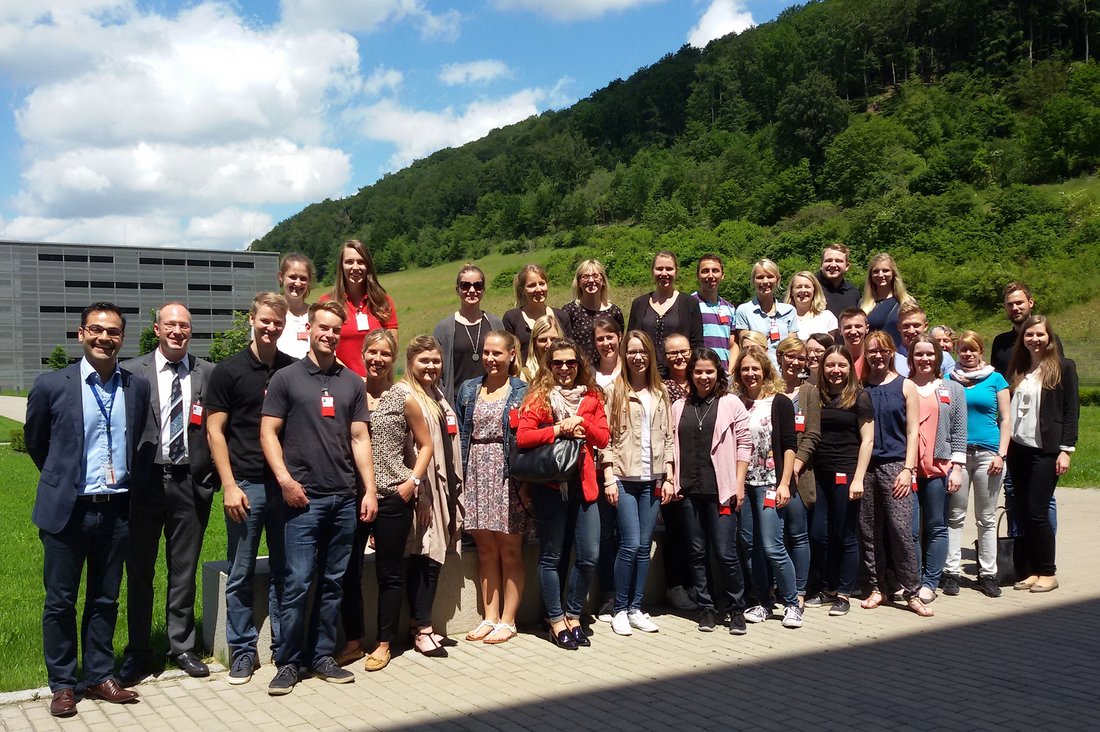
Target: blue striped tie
175, 443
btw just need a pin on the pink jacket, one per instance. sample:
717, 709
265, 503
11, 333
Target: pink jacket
730, 445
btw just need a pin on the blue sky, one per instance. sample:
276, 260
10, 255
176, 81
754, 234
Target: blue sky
164, 123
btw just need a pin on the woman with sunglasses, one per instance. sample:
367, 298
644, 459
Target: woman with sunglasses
365, 302
563, 402
532, 290
462, 335
711, 454
591, 299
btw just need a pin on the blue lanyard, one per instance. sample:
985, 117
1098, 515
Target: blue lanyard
106, 410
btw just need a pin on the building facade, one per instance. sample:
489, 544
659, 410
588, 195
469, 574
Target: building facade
44, 287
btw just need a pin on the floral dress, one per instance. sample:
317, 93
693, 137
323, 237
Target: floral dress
492, 502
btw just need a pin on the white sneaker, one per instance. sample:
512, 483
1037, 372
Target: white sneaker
679, 598
792, 617
640, 621
606, 611
621, 624
757, 614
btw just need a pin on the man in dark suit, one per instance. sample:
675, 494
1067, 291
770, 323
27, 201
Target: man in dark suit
81, 431
172, 497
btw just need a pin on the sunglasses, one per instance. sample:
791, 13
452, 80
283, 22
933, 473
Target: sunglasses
479, 286
567, 363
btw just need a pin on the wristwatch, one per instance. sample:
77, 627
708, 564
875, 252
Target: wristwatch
416, 481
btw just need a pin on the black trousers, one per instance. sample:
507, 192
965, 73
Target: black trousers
1034, 482
391, 532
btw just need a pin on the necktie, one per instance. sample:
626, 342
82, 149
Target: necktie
175, 430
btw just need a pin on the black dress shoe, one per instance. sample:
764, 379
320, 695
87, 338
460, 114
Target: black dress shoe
63, 703
135, 669
191, 664
581, 637
563, 639
110, 691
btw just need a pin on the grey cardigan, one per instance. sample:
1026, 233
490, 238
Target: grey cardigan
951, 428
445, 333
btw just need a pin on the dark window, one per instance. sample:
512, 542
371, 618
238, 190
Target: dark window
152, 285
198, 262
126, 311
243, 265
51, 309
150, 260
220, 263
76, 257
49, 257
100, 258
204, 336
76, 283
71, 334
126, 285
221, 288
177, 262
198, 287
102, 284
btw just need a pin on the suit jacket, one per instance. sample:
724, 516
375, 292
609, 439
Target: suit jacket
54, 433
1060, 411
198, 450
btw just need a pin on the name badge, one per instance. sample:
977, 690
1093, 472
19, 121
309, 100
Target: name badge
328, 406
945, 396
774, 334
724, 509
842, 479
196, 415
109, 473
513, 418
723, 319
452, 425
800, 423
362, 322
913, 485
303, 332
769, 498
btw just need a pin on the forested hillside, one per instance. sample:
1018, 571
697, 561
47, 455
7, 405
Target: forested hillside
942, 131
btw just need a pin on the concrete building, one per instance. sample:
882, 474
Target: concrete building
43, 288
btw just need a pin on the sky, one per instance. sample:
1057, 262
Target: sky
203, 124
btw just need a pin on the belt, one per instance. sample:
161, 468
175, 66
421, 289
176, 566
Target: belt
179, 470
102, 497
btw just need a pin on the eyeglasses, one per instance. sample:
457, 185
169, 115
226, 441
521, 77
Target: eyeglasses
479, 285
637, 354
175, 324
591, 278
678, 354
100, 330
567, 363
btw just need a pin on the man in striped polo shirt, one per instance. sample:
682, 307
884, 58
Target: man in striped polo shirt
717, 312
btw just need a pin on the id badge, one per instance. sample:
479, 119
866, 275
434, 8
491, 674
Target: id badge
196, 415
913, 485
109, 473
774, 334
724, 509
723, 319
513, 418
769, 498
842, 479
328, 406
303, 332
362, 322
945, 396
452, 425
800, 423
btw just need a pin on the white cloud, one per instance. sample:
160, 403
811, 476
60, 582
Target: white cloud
369, 15
566, 10
382, 79
417, 133
721, 18
474, 72
152, 229
229, 224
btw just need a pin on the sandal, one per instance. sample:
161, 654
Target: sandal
873, 600
502, 633
436, 651
483, 629
920, 608
377, 663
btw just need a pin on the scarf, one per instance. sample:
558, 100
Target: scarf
565, 403
970, 377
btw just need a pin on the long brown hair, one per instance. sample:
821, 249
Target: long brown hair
539, 390
377, 300
1050, 364
847, 397
620, 392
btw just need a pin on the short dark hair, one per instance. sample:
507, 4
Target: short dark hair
1012, 287
709, 258
102, 307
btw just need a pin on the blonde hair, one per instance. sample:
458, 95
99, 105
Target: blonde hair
897, 286
533, 363
591, 266
520, 281
620, 411
817, 302
381, 334
768, 266
753, 337
272, 300
790, 344
428, 402
770, 384
511, 343
971, 338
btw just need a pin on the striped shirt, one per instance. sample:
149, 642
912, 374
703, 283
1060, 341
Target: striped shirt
717, 326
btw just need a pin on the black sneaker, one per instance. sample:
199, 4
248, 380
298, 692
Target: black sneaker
988, 586
242, 669
821, 599
737, 624
708, 619
950, 584
284, 681
840, 606
327, 669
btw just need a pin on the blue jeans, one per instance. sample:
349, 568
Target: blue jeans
242, 544
638, 508
709, 530
558, 520
318, 544
796, 524
930, 519
96, 535
762, 529
838, 520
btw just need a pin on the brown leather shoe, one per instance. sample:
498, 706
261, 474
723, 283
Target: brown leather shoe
63, 703
110, 691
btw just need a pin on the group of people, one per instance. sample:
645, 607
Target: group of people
794, 442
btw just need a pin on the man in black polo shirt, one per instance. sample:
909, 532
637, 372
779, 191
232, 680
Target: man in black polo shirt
314, 435
840, 294
252, 500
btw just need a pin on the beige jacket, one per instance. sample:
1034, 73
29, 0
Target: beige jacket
441, 497
624, 451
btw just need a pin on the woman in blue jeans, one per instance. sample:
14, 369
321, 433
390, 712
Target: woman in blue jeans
941, 455
637, 472
767, 484
563, 402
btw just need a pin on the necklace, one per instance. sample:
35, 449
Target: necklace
698, 419
474, 341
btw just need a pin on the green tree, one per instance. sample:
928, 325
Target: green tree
808, 117
57, 359
148, 340
231, 341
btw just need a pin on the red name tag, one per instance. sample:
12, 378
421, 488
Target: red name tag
800, 423
724, 509
945, 396
513, 418
913, 485
303, 334
774, 332
328, 406
842, 479
769, 498
196, 415
452, 425
723, 318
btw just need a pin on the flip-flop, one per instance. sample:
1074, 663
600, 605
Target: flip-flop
502, 633
483, 629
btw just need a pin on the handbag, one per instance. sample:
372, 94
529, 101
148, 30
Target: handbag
553, 463
1006, 552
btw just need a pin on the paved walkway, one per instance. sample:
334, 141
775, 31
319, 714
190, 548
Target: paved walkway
14, 407
1023, 662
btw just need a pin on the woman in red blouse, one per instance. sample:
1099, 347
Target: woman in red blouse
366, 303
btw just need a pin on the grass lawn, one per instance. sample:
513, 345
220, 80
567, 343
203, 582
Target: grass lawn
6, 426
21, 580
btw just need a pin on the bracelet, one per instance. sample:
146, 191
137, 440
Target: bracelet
911, 470
1003, 457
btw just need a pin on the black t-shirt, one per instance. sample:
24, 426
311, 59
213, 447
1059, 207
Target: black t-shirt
468, 340
841, 298
237, 387
316, 448
515, 324
838, 450
696, 469
1000, 353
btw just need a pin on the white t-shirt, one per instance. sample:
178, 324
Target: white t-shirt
294, 341
823, 322
647, 448
1024, 409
